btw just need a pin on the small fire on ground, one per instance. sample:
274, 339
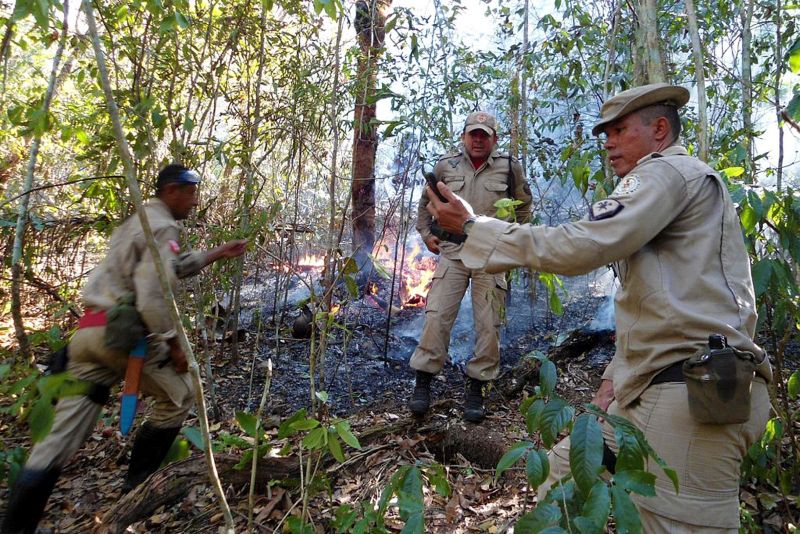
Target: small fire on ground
415, 281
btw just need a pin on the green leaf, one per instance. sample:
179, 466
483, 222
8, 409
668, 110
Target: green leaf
40, 418
247, 422
534, 415
438, 478
597, 505
793, 385
640, 482
41, 12
793, 108
267, 5
322, 396
545, 515
794, 56
304, 424
335, 447
625, 512
286, 430
351, 285
181, 19
511, 457
548, 376
315, 439
733, 172
343, 429
586, 452
537, 467
194, 436
762, 273
556, 415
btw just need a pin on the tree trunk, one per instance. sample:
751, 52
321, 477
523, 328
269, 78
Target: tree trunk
747, 91
779, 65
697, 52
648, 61
136, 196
22, 211
370, 24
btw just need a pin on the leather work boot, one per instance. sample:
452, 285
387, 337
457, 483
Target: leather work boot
421, 398
473, 401
149, 449
28, 500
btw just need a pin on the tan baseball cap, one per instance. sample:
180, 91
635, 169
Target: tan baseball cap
480, 120
637, 98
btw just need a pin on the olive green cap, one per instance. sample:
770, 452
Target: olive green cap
637, 98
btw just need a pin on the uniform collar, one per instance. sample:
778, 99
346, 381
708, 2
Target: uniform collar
674, 150
159, 205
489, 160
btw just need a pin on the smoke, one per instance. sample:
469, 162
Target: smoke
604, 317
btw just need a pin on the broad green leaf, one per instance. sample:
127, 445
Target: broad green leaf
548, 376
534, 415
322, 396
511, 457
409, 494
286, 430
40, 418
315, 439
305, 424
630, 456
415, 524
586, 526
640, 482
556, 415
537, 467
543, 516
762, 273
598, 505
793, 108
793, 385
625, 512
194, 436
438, 478
181, 19
733, 172
343, 429
794, 56
335, 447
267, 4
586, 452
247, 422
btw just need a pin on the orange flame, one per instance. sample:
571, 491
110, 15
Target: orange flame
417, 279
310, 260
335, 309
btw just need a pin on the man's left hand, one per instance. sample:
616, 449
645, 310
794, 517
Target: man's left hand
452, 214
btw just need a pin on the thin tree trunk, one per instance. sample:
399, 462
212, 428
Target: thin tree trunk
697, 52
523, 95
649, 62
22, 211
370, 24
169, 298
778, 110
747, 91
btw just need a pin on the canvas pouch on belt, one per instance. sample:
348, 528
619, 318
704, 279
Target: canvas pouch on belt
124, 325
718, 382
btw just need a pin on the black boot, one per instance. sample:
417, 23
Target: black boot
473, 401
28, 500
149, 449
421, 398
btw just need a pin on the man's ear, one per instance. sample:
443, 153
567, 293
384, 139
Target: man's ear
661, 129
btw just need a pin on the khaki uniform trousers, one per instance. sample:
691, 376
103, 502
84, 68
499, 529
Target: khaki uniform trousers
706, 458
450, 282
76, 416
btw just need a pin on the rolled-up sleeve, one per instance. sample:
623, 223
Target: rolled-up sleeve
149, 297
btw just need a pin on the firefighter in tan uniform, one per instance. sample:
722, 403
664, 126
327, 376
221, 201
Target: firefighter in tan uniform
128, 269
673, 236
482, 177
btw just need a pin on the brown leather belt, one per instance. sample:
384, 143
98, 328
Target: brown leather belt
673, 373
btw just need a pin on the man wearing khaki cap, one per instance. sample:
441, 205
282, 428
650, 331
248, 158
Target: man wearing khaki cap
673, 237
481, 176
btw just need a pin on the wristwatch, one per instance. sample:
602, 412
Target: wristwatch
467, 226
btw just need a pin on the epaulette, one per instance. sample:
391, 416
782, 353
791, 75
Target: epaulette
450, 155
507, 156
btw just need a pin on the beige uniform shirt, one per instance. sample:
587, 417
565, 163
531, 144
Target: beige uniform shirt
673, 235
480, 187
128, 267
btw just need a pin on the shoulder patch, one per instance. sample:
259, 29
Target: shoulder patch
173, 246
604, 209
627, 185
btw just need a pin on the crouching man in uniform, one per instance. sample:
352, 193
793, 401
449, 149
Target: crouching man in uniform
673, 236
126, 275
